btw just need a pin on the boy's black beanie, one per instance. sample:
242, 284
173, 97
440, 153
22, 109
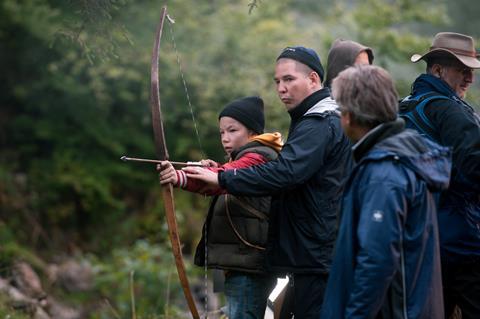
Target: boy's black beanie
248, 111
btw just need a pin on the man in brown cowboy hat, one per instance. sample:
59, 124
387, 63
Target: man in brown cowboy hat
436, 109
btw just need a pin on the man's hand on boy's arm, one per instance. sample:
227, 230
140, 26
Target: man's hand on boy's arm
205, 175
167, 173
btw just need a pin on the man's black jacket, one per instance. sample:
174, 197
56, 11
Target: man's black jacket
306, 183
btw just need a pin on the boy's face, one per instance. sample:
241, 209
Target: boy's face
233, 134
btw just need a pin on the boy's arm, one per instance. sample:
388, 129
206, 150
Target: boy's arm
199, 186
300, 158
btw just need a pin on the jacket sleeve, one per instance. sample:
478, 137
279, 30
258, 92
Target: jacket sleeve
197, 186
300, 158
459, 129
382, 209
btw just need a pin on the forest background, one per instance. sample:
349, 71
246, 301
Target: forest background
74, 79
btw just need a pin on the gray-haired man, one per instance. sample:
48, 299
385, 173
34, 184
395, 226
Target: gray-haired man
387, 258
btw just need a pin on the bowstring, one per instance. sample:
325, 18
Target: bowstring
171, 22
192, 113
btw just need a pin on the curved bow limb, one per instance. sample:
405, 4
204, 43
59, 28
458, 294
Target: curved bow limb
162, 154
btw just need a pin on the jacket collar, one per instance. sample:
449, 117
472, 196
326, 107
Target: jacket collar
376, 135
427, 83
308, 103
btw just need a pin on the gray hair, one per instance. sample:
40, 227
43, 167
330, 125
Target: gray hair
367, 92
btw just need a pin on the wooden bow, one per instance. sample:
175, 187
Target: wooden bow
162, 154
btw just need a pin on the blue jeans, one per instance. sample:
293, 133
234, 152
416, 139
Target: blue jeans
247, 294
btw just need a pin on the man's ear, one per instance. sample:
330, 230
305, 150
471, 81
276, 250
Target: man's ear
347, 118
315, 78
437, 70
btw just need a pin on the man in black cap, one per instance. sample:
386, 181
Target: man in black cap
437, 110
306, 182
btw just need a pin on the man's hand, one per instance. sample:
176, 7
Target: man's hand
167, 173
205, 175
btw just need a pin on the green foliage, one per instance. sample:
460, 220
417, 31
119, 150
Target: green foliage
74, 83
151, 270
7, 311
11, 252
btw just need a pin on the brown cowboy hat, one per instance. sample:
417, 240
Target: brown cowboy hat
457, 45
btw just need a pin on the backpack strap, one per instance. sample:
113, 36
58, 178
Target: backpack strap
412, 110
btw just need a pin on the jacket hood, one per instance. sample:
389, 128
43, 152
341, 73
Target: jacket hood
273, 140
427, 159
342, 55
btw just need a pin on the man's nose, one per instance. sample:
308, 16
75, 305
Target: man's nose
281, 88
468, 75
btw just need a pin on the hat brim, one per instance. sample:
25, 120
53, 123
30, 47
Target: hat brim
468, 61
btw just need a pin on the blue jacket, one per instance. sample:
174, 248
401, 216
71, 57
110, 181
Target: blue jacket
306, 183
458, 126
387, 258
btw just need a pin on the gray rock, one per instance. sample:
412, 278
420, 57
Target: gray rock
74, 276
27, 280
60, 311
